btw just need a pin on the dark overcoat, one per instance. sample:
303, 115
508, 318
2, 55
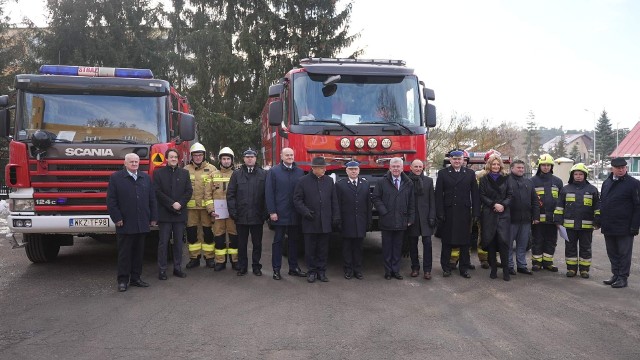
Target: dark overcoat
245, 196
524, 204
172, 185
132, 201
494, 223
281, 181
317, 195
620, 205
456, 201
355, 207
396, 207
425, 209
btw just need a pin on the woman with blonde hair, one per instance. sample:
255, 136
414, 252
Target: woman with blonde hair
495, 198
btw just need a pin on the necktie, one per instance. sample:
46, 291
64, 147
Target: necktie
397, 182
250, 170
354, 183
134, 176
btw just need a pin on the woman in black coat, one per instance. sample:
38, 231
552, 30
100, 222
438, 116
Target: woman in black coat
495, 197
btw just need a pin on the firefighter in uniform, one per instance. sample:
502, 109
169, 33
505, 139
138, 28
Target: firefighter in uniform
201, 174
545, 233
224, 227
578, 210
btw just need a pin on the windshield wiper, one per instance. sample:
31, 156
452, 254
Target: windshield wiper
110, 140
394, 123
332, 122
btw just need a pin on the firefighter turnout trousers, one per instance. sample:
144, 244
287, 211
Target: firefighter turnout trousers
583, 262
545, 240
198, 245
223, 245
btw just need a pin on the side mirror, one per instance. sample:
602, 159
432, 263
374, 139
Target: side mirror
4, 122
187, 127
275, 113
429, 94
430, 114
275, 90
4, 100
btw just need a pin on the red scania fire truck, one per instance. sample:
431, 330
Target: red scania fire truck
73, 126
348, 109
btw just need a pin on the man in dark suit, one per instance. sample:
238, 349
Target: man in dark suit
620, 219
173, 190
355, 214
131, 203
424, 222
457, 202
246, 204
395, 202
315, 200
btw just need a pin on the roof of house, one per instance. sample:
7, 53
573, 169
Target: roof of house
568, 139
630, 145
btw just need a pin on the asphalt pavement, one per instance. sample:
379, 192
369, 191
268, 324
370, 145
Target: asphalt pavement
70, 309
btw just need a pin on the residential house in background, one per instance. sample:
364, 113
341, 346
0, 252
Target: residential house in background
583, 141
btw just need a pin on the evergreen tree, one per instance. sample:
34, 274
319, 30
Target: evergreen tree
532, 141
560, 150
605, 137
575, 154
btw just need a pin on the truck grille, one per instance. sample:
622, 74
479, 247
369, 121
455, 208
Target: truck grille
73, 187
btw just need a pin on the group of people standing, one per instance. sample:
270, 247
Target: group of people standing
221, 208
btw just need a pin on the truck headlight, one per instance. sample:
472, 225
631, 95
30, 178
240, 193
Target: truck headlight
345, 143
17, 205
372, 143
386, 143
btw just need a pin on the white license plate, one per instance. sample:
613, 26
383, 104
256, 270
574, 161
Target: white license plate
102, 222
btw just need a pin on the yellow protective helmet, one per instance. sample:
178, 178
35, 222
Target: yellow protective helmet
197, 147
226, 151
545, 159
580, 167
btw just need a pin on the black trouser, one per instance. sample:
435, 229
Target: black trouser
494, 246
584, 238
545, 239
316, 248
619, 249
166, 230
426, 253
392, 250
256, 242
292, 232
352, 254
445, 256
130, 255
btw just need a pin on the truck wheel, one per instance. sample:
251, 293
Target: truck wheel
41, 248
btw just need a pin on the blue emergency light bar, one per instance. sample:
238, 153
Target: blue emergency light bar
95, 71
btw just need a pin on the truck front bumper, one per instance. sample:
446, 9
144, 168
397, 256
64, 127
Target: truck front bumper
62, 224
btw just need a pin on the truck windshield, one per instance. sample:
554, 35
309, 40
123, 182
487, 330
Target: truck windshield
356, 99
93, 118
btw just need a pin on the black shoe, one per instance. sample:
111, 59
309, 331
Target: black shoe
387, 276
219, 266
122, 287
525, 271
397, 276
311, 278
471, 267
551, 268
138, 283
162, 275
234, 265
179, 273
348, 275
611, 280
257, 272
506, 276
211, 263
512, 271
358, 275
620, 283
322, 277
493, 274
242, 272
536, 267
484, 264
446, 274
297, 272
465, 274
193, 263
499, 264
276, 275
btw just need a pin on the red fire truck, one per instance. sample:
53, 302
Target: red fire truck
73, 126
348, 109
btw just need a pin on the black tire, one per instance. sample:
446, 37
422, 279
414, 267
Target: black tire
41, 248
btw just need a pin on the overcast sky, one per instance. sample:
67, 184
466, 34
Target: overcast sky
498, 60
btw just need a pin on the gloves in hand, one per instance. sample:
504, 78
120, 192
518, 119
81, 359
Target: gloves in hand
309, 215
634, 232
432, 223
